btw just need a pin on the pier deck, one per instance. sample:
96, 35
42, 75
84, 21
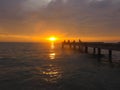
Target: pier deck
97, 47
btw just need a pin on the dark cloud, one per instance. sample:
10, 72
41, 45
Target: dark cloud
72, 17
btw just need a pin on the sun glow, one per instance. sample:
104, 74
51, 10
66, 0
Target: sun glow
52, 38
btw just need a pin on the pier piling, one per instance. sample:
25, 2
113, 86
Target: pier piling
99, 51
97, 47
94, 50
110, 56
86, 49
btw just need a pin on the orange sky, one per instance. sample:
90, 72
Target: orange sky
36, 20
17, 38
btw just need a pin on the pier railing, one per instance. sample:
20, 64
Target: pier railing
97, 47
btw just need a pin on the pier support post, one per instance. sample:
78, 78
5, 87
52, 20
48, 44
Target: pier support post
70, 45
94, 50
80, 47
99, 54
99, 51
74, 46
110, 56
86, 49
62, 45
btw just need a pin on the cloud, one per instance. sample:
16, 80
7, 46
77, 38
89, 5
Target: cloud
35, 4
85, 18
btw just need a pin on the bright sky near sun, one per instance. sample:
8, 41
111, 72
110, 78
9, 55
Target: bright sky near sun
36, 20
53, 39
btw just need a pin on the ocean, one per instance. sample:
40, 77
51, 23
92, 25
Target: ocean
46, 66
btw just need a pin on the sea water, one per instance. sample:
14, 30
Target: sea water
46, 66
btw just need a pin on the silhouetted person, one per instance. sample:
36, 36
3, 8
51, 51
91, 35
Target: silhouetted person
73, 41
80, 41
64, 41
68, 41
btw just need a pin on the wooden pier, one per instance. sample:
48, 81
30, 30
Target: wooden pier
97, 47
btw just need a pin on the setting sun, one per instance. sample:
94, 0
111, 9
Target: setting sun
52, 38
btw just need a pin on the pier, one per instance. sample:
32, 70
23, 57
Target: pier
96, 46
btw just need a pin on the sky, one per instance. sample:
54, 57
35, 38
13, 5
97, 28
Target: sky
35, 20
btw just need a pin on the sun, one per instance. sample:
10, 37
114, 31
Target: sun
52, 39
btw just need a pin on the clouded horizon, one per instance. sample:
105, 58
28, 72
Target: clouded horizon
21, 20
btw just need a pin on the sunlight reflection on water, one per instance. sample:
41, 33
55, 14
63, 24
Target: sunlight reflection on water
52, 56
52, 74
31, 66
52, 45
52, 52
